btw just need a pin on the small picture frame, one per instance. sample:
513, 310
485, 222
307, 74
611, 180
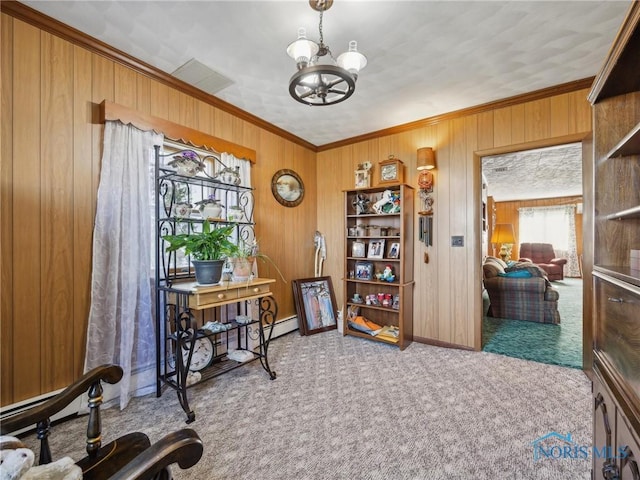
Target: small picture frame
394, 250
363, 179
364, 271
358, 249
376, 248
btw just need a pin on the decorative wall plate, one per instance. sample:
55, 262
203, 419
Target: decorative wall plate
287, 188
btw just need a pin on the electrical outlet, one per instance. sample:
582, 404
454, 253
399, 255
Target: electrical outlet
457, 241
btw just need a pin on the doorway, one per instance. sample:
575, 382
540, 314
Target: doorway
517, 187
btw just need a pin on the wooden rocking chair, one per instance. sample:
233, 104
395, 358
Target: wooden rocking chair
129, 457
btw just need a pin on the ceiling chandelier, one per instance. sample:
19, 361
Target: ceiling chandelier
318, 83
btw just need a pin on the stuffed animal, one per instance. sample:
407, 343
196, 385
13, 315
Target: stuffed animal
16, 462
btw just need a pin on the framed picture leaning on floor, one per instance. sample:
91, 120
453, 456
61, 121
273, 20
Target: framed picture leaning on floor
315, 304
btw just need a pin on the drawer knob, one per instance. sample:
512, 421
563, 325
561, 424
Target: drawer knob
221, 296
615, 300
256, 289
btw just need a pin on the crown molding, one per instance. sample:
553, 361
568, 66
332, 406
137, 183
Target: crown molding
37, 19
48, 24
485, 107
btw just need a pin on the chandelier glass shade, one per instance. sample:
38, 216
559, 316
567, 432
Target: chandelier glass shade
328, 82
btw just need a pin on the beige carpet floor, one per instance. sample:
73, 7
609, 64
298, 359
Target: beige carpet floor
347, 408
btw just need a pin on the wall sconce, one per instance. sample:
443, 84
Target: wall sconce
503, 233
426, 162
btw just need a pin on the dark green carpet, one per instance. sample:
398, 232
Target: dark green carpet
541, 342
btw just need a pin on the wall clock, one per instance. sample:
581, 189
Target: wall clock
202, 354
391, 170
287, 188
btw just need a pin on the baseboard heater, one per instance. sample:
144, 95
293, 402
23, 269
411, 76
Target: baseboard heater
280, 328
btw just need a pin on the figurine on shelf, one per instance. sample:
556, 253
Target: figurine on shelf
361, 203
378, 207
387, 274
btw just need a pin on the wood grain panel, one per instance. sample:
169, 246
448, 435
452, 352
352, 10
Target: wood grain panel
6, 207
56, 197
444, 203
485, 130
517, 124
143, 94
27, 211
82, 203
473, 238
537, 120
502, 126
160, 103
559, 116
581, 116
125, 87
102, 88
460, 279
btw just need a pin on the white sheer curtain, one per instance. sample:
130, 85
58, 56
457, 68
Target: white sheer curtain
121, 323
554, 225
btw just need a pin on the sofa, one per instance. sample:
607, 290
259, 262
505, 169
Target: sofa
520, 291
542, 254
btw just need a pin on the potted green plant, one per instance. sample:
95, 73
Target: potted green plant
208, 249
243, 258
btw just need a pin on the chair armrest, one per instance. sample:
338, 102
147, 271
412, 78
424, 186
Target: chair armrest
106, 373
558, 261
183, 447
525, 259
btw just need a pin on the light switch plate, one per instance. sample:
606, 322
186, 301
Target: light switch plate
457, 241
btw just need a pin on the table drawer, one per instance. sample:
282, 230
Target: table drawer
251, 290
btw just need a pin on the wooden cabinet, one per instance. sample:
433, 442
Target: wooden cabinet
378, 245
616, 445
615, 97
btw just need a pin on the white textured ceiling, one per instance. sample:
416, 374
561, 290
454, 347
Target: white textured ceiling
425, 57
532, 174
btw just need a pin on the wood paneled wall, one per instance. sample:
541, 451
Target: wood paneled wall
51, 153
447, 306
507, 212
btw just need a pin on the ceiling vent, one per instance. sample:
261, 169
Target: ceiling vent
199, 75
501, 169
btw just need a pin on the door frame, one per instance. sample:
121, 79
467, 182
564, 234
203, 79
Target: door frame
587, 228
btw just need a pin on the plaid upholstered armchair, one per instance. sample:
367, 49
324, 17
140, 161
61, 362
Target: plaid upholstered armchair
521, 292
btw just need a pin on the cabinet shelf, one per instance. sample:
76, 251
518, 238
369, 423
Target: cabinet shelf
357, 333
624, 214
373, 215
198, 180
629, 145
621, 273
373, 307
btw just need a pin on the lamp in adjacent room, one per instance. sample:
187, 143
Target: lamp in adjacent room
503, 234
318, 83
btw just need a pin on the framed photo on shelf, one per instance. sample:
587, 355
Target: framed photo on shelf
315, 304
376, 248
364, 271
358, 249
394, 250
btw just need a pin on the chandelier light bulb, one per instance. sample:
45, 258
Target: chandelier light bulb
352, 61
302, 50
